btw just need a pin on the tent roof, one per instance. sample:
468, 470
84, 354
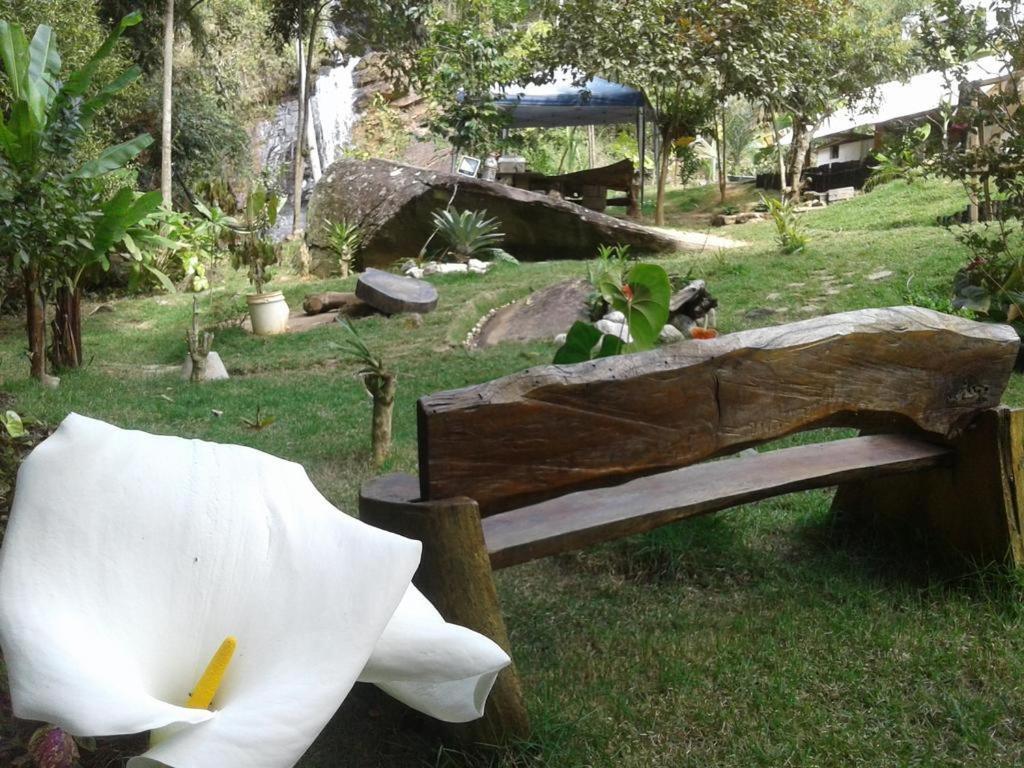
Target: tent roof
562, 103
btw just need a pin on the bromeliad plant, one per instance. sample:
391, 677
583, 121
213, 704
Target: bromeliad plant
642, 296
470, 235
49, 196
345, 239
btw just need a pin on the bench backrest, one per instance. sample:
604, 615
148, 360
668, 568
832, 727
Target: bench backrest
555, 429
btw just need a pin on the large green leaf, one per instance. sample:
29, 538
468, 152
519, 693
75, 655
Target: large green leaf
78, 82
14, 54
122, 212
647, 310
43, 58
113, 158
106, 93
579, 344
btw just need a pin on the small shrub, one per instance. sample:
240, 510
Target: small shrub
788, 227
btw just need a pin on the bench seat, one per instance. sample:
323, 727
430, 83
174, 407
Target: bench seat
584, 518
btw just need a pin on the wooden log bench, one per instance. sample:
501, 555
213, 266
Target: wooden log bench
558, 458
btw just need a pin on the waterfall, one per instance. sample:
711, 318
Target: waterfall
332, 115
331, 118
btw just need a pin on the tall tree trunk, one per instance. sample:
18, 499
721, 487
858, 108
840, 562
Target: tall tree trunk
664, 157
35, 322
722, 179
303, 130
166, 104
591, 146
66, 350
782, 155
801, 143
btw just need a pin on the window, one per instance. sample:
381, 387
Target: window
833, 152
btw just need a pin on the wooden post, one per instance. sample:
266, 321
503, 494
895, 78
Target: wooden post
973, 507
455, 575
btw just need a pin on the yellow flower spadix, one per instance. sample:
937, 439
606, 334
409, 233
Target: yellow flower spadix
202, 695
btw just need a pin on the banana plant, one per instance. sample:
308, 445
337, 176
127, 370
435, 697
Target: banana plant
48, 189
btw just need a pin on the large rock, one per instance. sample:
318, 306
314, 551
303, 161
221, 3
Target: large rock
393, 204
394, 294
542, 315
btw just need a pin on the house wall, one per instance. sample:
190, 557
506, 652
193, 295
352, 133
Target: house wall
848, 151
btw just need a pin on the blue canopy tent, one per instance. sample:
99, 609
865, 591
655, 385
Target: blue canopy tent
563, 102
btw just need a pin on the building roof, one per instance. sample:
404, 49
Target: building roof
903, 100
563, 102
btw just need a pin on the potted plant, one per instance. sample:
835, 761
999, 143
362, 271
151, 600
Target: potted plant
253, 249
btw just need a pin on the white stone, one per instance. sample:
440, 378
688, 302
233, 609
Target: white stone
618, 330
197, 541
475, 265
215, 370
615, 316
880, 274
560, 338
670, 334
434, 268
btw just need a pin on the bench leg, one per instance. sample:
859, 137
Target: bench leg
975, 507
455, 575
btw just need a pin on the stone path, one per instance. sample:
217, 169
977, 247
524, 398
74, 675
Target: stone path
699, 241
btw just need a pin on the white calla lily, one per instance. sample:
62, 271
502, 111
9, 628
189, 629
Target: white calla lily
128, 560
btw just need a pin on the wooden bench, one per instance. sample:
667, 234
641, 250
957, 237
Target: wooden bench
558, 458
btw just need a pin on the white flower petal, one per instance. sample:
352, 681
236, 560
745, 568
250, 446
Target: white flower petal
130, 557
438, 668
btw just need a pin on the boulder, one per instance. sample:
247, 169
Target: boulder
541, 315
393, 204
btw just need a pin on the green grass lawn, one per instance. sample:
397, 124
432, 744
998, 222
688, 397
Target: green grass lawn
763, 636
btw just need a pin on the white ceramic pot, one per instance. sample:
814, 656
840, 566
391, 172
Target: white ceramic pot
269, 313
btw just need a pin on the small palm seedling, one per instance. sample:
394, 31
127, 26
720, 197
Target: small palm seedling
470, 235
261, 421
788, 227
345, 238
380, 383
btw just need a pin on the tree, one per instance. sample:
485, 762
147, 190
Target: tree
166, 104
803, 61
52, 208
301, 21
664, 47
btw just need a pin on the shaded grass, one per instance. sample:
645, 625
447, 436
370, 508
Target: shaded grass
764, 636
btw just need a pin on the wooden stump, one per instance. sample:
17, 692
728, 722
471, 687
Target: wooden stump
394, 293
455, 575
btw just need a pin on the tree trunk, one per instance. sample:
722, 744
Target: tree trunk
722, 180
166, 105
382, 388
66, 349
798, 155
782, 156
35, 322
300, 144
665, 156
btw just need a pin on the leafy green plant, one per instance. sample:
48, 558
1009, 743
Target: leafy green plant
902, 160
642, 296
469, 235
51, 199
250, 245
789, 229
345, 239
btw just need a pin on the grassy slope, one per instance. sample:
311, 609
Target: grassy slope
763, 636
